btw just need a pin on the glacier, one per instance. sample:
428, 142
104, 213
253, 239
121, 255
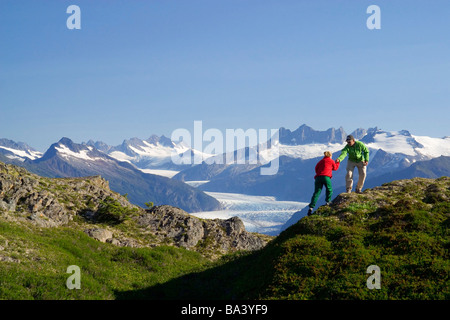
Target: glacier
262, 214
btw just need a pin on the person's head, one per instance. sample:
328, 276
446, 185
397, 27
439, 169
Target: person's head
327, 154
350, 140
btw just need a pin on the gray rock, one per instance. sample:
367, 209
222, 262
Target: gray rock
193, 233
99, 234
52, 202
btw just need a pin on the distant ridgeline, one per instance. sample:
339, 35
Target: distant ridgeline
393, 155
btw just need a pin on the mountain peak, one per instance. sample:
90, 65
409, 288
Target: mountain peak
65, 141
68, 149
99, 145
18, 150
307, 135
400, 141
163, 140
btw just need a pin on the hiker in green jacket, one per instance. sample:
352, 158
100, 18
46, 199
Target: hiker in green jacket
358, 156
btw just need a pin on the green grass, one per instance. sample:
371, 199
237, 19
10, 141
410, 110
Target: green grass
106, 270
402, 228
326, 256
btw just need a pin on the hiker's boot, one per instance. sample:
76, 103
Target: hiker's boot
310, 211
358, 191
349, 190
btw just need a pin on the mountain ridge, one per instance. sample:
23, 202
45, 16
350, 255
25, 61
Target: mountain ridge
68, 159
391, 152
303, 135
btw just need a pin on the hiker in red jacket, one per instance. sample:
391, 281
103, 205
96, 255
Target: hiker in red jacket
324, 170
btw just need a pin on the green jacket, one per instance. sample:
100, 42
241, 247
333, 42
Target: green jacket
357, 153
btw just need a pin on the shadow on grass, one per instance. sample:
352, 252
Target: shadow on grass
240, 276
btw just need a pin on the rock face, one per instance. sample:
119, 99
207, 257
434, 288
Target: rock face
191, 232
89, 205
51, 202
305, 134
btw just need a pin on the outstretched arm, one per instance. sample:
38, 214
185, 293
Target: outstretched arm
336, 165
366, 154
343, 154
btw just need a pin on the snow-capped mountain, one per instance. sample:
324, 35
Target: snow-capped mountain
299, 151
153, 152
412, 147
403, 142
73, 152
68, 159
18, 150
389, 151
153, 155
402, 148
393, 155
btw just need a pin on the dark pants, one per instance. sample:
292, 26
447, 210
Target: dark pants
321, 181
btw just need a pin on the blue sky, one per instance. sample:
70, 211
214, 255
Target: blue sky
138, 68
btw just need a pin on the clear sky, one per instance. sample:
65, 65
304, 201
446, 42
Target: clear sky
137, 68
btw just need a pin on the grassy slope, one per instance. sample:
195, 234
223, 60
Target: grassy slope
34, 260
401, 227
106, 270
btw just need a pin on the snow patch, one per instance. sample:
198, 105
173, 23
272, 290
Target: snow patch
309, 151
118, 155
196, 183
14, 157
150, 150
160, 172
393, 142
83, 154
24, 154
433, 147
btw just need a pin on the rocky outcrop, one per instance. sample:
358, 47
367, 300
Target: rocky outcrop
51, 202
215, 235
417, 193
89, 205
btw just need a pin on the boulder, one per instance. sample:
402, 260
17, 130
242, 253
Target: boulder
99, 234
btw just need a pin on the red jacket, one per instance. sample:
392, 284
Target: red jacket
325, 167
